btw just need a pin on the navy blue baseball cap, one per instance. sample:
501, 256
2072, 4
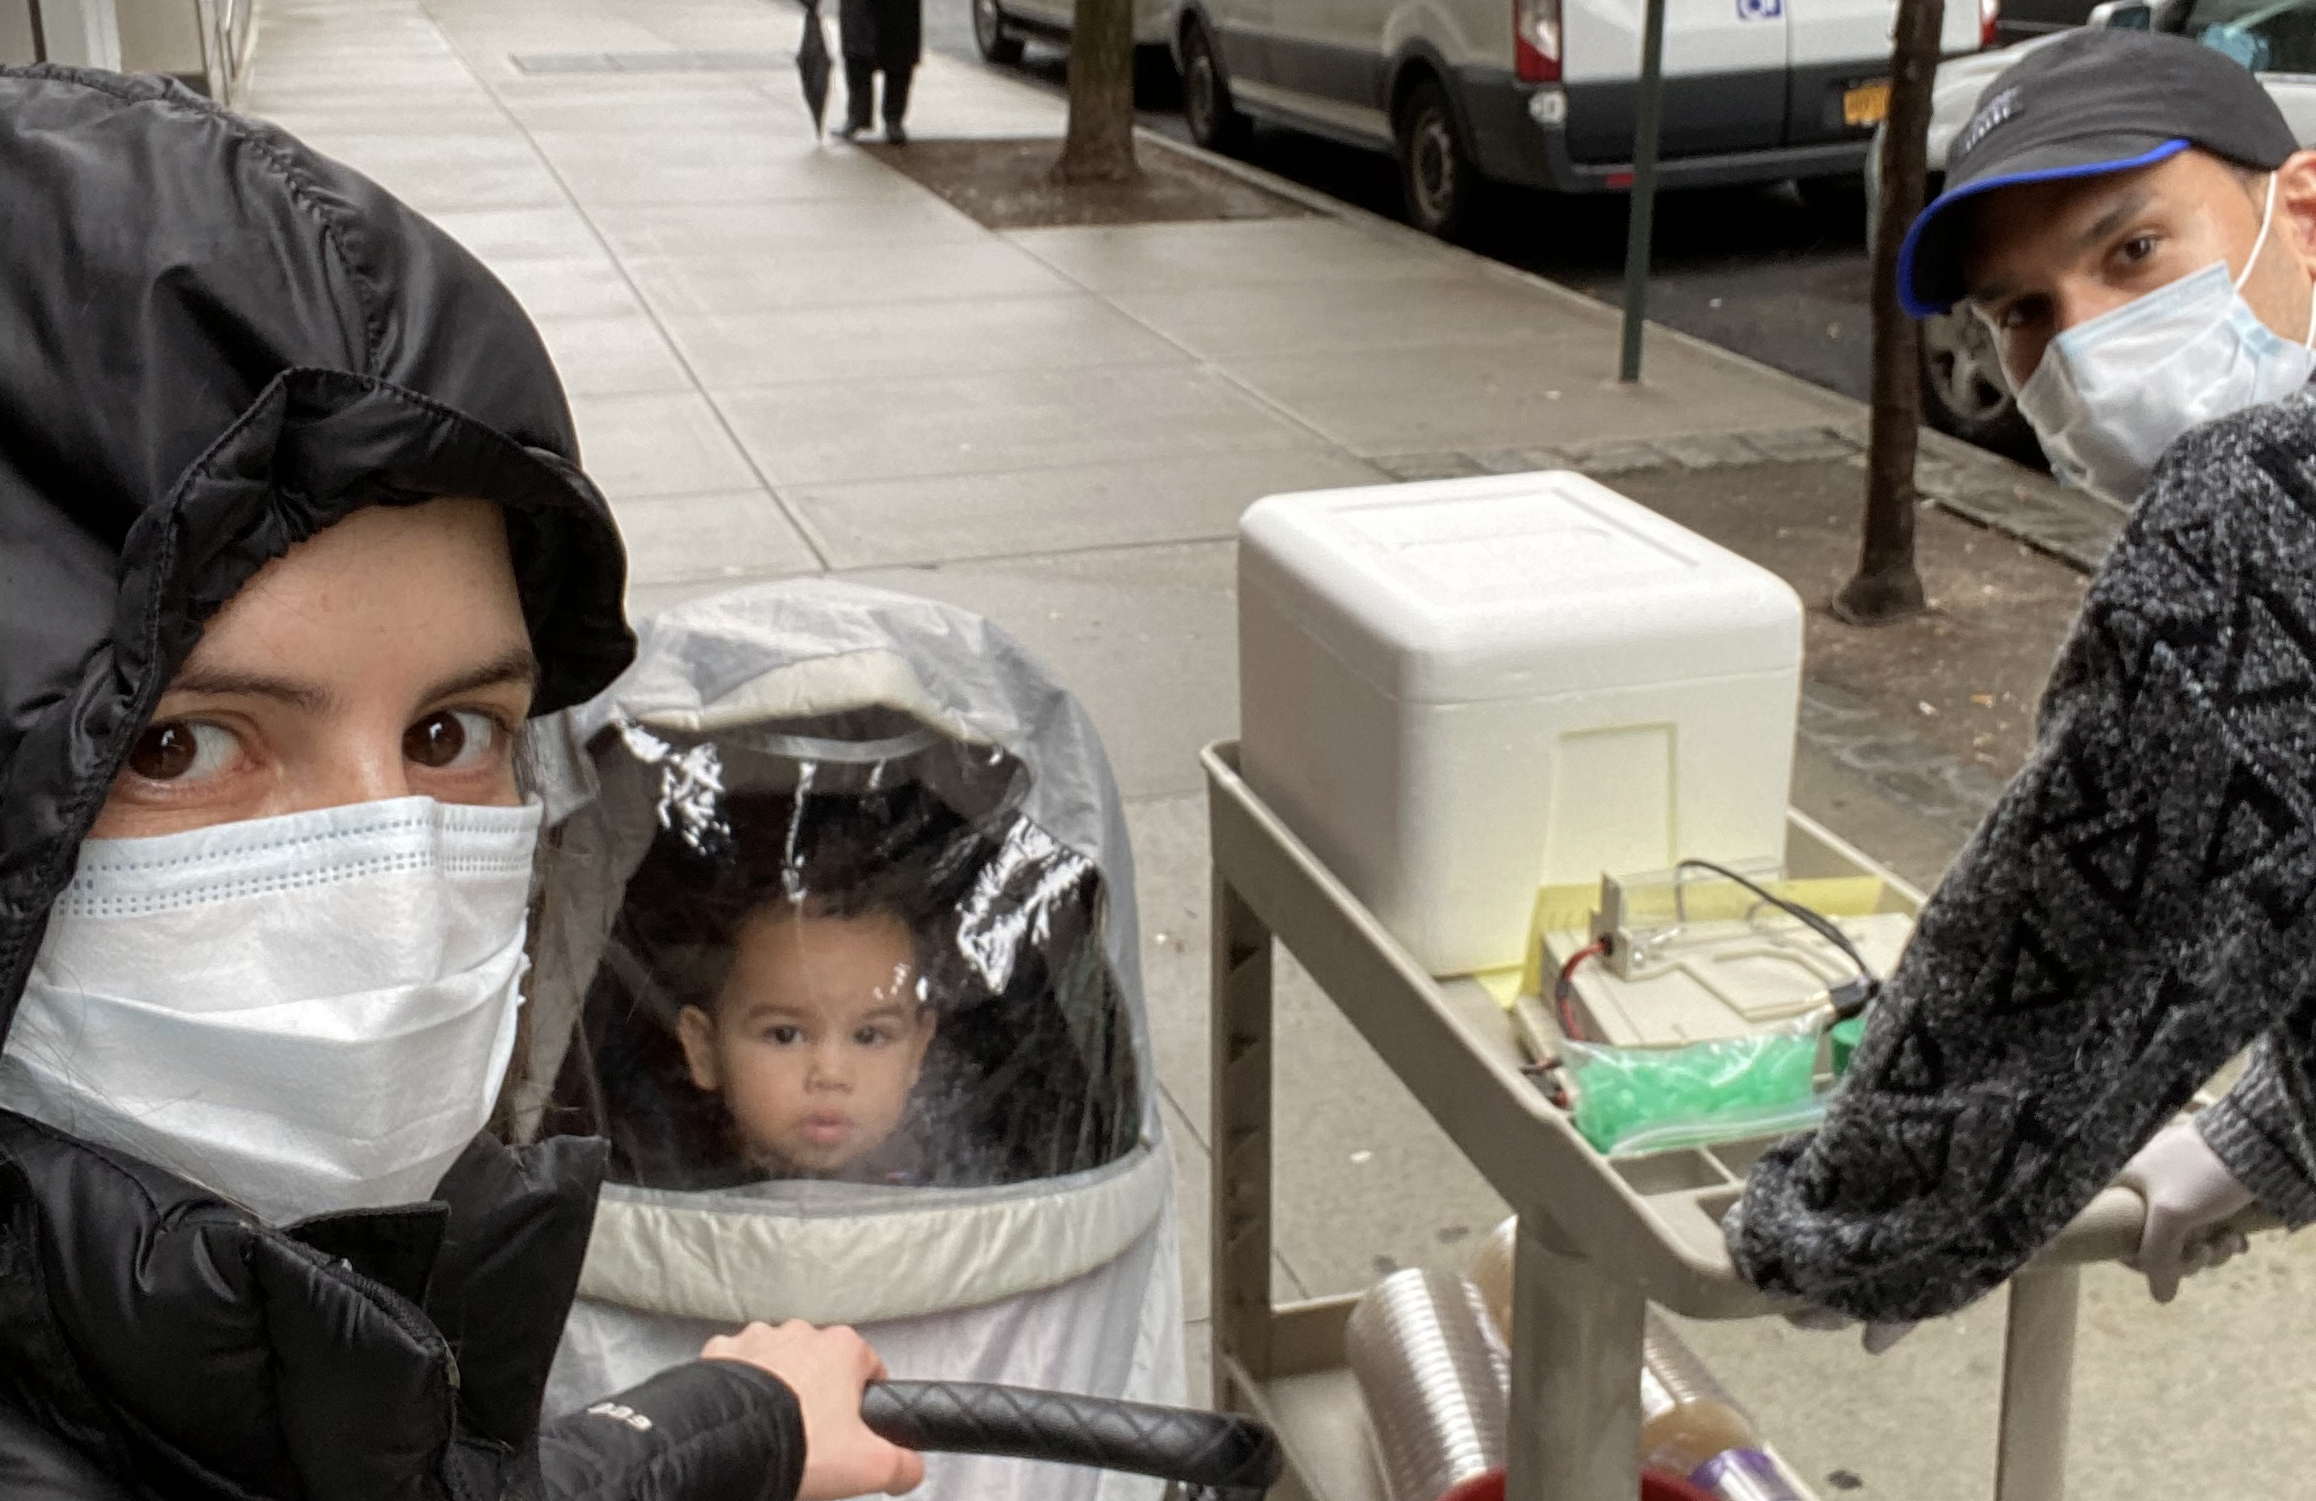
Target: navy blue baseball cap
2092, 102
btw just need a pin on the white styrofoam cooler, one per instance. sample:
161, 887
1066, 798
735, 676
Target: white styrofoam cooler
1457, 691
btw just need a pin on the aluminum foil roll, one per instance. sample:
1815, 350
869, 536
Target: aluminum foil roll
1436, 1379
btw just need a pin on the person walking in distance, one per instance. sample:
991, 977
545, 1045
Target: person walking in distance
880, 36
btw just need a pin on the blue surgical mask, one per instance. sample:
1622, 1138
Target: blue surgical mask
2113, 393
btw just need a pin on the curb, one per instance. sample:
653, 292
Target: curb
1982, 488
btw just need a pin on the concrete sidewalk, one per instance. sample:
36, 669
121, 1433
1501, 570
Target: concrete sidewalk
786, 358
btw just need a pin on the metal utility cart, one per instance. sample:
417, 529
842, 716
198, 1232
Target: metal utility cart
1598, 1238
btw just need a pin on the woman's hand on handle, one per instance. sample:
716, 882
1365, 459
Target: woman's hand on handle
827, 1369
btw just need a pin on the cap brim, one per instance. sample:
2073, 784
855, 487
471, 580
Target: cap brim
1930, 260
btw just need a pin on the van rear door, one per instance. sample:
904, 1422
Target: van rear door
1725, 65
1840, 62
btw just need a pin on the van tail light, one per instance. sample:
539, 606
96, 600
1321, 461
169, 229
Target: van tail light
1536, 40
1989, 21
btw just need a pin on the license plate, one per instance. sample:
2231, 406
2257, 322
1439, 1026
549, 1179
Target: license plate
1866, 103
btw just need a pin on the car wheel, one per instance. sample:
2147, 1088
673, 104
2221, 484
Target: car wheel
995, 43
1435, 172
1214, 121
1156, 84
1964, 391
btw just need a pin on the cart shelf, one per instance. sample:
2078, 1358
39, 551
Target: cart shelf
1598, 1238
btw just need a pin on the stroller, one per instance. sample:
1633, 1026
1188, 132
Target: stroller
839, 953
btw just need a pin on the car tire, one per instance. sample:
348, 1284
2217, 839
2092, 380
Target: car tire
1436, 176
1157, 85
991, 38
1207, 109
1964, 391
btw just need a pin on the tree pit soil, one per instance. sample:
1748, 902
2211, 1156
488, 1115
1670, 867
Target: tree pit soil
1968, 674
1008, 184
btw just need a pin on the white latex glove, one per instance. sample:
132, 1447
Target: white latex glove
1876, 1338
2190, 1194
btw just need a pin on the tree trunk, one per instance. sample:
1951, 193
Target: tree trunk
1887, 586
1100, 144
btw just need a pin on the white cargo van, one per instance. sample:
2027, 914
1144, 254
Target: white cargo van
1543, 93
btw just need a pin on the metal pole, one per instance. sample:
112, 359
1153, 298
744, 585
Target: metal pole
2038, 1382
1640, 221
1575, 1423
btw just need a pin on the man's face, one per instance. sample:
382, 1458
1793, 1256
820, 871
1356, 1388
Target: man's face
384, 657
2045, 257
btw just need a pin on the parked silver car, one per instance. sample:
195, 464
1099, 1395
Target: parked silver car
1964, 390
1000, 27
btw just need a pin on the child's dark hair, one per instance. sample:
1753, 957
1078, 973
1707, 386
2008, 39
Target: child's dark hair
898, 853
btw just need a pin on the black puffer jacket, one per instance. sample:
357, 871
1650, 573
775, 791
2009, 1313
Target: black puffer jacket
212, 345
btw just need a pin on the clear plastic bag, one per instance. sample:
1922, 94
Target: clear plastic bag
1630, 1101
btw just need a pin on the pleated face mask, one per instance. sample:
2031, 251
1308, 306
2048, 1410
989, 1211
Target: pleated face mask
2112, 393
304, 1014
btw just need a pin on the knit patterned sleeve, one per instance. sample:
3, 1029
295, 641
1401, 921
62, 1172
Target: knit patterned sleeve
2136, 909
2263, 1129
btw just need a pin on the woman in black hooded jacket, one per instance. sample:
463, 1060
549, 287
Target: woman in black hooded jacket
275, 455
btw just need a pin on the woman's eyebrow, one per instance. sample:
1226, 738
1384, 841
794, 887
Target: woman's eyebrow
516, 665
219, 684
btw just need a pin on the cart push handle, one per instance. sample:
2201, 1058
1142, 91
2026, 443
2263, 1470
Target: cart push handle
1235, 1458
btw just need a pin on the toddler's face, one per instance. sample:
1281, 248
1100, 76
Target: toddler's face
817, 1037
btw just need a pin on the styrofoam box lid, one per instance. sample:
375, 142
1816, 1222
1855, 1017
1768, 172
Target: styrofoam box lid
1515, 585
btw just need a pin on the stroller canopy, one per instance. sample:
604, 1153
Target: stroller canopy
838, 951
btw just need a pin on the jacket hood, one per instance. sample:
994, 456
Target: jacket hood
213, 344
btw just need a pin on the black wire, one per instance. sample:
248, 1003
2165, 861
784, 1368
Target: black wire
1816, 922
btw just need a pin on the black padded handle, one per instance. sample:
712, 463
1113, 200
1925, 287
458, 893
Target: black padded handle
1218, 1451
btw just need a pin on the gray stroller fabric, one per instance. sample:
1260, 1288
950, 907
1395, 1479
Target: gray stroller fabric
838, 950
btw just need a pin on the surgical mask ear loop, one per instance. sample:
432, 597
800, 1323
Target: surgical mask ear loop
2260, 242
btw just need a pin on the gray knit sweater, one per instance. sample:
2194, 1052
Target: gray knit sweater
2139, 906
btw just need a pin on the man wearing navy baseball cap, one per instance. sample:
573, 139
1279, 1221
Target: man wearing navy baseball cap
2131, 215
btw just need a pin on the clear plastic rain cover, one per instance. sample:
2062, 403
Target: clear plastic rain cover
838, 953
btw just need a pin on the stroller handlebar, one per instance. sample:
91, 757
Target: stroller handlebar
1221, 1452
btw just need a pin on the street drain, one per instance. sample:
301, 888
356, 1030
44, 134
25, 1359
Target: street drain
647, 62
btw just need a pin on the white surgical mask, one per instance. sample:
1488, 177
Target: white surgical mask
2113, 393
304, 1014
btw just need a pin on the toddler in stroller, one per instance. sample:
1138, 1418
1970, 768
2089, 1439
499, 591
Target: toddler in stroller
840, 957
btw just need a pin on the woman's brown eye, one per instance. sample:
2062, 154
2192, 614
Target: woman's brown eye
180, 750
164, 752
452, 740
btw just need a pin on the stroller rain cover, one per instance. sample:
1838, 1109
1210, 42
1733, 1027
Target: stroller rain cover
838, 950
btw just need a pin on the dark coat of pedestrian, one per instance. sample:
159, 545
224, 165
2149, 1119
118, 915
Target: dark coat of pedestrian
880, 36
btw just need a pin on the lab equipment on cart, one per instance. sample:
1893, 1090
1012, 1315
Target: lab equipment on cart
1513, 786
1599, 1239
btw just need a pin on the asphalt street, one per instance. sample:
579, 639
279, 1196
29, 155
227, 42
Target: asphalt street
1755, 270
